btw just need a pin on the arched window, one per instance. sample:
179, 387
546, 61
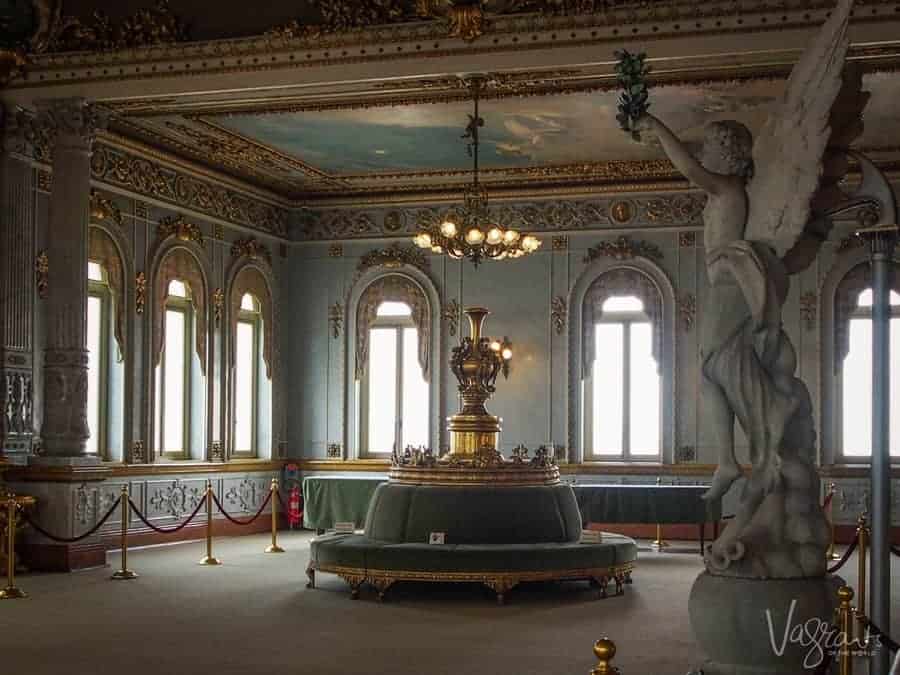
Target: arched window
174, 374
856, 376
394, 401
250, 344
622, 418
106, 345
622, 358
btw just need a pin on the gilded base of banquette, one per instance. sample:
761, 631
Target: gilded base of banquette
499, 582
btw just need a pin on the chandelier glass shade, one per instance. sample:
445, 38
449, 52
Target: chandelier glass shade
471, 232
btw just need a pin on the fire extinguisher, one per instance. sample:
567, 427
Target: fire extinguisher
295, 510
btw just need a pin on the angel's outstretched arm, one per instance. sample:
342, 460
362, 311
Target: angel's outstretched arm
683, 160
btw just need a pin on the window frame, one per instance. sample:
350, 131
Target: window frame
254, 319
184, 306
101, 291
398, 324
625, 319
840, 456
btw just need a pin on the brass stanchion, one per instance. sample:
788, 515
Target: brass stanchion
209, 558
660, 543
862, 535
11, 592
604, 650
832, 554
123, 572
845, 624
274, 547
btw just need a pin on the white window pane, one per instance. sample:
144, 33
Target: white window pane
248, 303
857, 391
95, 271
94, 347
608, 393
244, 387
415, 393
895, 387
866, 298
382, 394
174, 380
644, 408
626, 303
394, 309
178, 289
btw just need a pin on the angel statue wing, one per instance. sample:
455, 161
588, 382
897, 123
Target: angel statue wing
800, 154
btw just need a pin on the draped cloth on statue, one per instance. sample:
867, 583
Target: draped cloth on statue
393, 288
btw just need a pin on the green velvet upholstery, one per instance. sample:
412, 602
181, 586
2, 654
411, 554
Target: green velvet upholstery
345, 551
654, 504
473, 515
332, 499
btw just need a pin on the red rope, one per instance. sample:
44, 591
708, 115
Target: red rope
72, 540
242, 522
165, 530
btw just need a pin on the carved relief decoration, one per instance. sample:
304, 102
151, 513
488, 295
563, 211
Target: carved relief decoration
336, 319
41, 274
85, 505
561, 243
122, 169
393, 288
247, 495
250, 280
218, 302
685, 454
144, 28
103, 209
687, 239
216, 453
392, 257
180, 264
103, 250
177, 226
140, 292
137, 452
17, 403
687, 309
251, 248
335, 451
450, 314
558, 313
809, 304
177, 499
624, 248
620, 281
335, 251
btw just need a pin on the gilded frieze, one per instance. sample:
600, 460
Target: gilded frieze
148, 178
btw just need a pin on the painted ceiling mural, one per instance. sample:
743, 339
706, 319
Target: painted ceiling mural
527, 138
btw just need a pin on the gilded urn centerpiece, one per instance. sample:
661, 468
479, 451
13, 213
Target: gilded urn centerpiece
474, 456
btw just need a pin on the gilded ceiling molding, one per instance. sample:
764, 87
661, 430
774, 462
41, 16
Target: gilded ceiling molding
678, 210
177, 226
251, 248
150, 179
624, 248
315, 45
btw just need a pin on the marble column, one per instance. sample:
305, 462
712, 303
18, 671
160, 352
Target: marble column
17, 222
72, 124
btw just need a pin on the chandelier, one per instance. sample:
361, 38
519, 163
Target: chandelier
471, 232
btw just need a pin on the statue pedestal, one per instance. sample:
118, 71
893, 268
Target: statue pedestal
762, 626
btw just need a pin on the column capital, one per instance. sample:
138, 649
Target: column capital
882, 239
72, 122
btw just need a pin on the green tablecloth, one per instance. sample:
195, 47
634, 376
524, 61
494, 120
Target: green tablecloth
654, 504
331, 499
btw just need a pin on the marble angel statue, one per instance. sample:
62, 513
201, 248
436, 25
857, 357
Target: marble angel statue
767, 212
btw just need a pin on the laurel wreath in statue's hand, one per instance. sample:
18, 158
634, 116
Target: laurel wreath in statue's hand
631, 73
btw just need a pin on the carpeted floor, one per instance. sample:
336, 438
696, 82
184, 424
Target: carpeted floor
254, 615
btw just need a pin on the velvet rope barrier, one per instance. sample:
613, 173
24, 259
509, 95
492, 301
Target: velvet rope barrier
72, 540
165, 530
881, 635
843, 561
242, 522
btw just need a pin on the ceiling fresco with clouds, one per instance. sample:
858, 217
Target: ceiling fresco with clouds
313, 150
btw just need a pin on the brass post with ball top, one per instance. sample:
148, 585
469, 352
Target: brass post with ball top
11, 592
604, 650
209, 558
274, 547
123, 572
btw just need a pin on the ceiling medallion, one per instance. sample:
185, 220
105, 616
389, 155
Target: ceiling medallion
472, 233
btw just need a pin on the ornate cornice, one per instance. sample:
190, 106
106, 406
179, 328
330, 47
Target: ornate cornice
677, 210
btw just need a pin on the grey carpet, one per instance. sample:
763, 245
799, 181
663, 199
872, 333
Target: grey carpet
254, 615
